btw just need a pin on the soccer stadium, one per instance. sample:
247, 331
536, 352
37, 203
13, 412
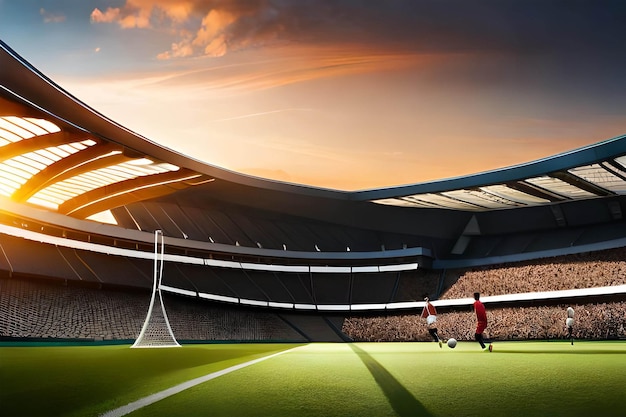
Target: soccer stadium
244, 296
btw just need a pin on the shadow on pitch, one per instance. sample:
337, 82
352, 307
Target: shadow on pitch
402, 401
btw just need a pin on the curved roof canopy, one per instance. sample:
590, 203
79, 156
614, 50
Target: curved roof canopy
595, 171
57, 153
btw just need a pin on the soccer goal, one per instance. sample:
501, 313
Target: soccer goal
156, 330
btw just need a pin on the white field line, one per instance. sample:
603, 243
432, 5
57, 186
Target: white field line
151, 399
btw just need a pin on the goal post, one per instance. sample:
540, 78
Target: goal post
156, 330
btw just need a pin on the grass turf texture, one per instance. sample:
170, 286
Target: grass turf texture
360, 379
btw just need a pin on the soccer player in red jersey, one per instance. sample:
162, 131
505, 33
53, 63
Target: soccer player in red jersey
481, 320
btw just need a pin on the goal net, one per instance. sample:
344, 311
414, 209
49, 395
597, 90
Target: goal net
156, 330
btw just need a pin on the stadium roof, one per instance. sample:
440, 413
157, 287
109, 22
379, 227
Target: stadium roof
594, 171
58, 153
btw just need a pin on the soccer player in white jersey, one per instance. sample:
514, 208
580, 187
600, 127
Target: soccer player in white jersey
430, 314
569, 323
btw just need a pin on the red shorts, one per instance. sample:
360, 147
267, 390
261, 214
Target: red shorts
480, 327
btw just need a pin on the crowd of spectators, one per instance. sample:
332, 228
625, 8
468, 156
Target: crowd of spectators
588, 270
593, 321
412, 285
41, 310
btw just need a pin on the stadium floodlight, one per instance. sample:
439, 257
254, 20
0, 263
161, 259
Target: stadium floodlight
331, 269
258, 303
360, 269
216, 297
399, 267
405, 304
333, 307
299, 306
279, 305
156, 330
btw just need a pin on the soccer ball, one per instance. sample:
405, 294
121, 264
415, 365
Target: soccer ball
451, 343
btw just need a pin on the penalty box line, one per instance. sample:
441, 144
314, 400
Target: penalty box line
153, 398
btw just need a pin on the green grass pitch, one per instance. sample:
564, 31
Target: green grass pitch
343, 379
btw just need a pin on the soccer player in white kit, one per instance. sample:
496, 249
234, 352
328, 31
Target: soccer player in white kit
569, 323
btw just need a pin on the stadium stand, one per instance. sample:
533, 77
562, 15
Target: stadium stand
272, 260
272, 286
37, 310
18, 253
594, 321
331, 288
596, 318
299, 286
42, 309
586, 270
203, 279
373, 287
412, 285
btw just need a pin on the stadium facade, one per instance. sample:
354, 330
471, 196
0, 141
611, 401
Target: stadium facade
86, 195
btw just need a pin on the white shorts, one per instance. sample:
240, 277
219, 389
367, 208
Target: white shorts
569, 322
431, 319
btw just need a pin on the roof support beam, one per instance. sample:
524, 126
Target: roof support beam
614, 168
531, 189
90, 159
129, 191
36, 143
581, 183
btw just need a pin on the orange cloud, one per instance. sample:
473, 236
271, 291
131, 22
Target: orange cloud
142, 13
178, 50
126, 21
213, 36
211, 33
293, 64
110, 15
216, 27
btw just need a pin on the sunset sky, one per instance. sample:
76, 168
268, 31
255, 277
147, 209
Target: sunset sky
340, 94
